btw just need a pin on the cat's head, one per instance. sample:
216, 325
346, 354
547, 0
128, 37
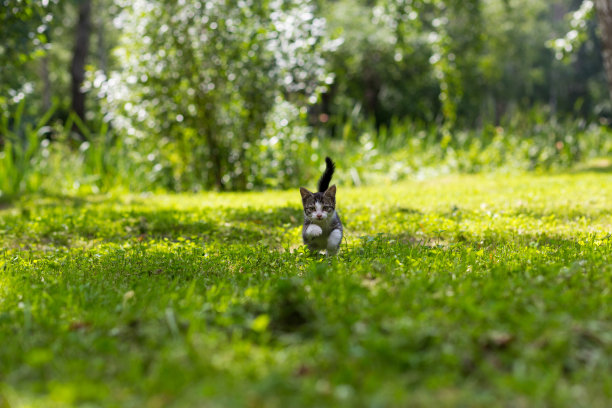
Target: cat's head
319, 207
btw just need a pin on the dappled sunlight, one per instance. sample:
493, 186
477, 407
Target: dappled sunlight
452, 209
447, 280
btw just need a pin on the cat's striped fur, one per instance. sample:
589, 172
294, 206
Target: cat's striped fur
322, 229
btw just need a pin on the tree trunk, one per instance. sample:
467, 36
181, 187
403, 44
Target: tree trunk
46, 80
77, 68
215, 158
209, 130
101, 31
604, 15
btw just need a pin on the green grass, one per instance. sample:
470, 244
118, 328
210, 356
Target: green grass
459, 291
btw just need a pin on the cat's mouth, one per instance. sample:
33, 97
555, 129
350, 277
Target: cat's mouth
316, 220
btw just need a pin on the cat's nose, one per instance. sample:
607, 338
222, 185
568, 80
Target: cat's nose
319, 216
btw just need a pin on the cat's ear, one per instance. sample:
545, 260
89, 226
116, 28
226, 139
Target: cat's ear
305, 193
331, 192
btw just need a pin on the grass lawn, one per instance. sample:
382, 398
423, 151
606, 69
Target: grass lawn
459, 291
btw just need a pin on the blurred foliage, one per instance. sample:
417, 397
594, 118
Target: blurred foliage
233, 94
206, 77
369, 155
24, 26
573, 39
460, 63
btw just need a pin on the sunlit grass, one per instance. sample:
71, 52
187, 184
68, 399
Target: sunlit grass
472, 290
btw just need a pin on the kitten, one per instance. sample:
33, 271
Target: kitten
322, 227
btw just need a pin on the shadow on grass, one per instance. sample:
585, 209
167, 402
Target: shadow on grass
596, 166
235, 225
73, 223
384, 245
83, 222
564, 213
374, 315
458, 214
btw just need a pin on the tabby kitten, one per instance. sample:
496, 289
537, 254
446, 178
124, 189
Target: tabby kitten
322, 227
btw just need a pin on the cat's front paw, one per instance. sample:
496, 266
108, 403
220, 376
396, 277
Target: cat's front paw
313, 231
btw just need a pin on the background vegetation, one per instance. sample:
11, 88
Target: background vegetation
155, 95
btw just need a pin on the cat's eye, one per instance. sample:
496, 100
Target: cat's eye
328, 208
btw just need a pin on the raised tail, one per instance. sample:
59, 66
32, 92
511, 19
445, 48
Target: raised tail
327, 175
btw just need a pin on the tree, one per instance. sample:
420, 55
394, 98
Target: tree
604, 16
23, 34
385, 73
23, 38
588, 49
79, 57
202, 79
